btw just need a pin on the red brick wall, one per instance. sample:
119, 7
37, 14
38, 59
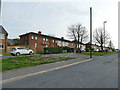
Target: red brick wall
4, 42
31, 42
39, 42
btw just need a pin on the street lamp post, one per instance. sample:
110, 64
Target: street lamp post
90, 32
104, 32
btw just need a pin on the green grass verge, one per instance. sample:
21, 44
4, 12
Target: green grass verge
98, 53
5, 54
25, 61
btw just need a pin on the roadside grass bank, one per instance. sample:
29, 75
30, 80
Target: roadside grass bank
5, 54
32, 60
98, 53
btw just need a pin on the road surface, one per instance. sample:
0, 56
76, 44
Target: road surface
102, 72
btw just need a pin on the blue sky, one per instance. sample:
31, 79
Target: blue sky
54, 17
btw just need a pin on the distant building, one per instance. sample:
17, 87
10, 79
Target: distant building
10, 42
3, 39
40, 41
94, 46
81, 45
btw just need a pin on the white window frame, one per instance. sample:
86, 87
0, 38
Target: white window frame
43, 39
32, 37
1, 46
35, 37
46, 39
2, 36
53, 41
35, 45
46, 46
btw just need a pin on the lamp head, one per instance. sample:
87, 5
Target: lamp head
105, 21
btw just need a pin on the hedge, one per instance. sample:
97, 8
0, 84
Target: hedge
67, 48
53, 50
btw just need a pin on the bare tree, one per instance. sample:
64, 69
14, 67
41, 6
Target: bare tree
78, 33
99, 37
110, 45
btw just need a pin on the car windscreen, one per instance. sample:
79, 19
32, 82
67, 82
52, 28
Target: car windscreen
12, 49
21, 48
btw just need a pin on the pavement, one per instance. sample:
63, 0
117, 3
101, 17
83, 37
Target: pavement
34, 69
101, 72
3, 57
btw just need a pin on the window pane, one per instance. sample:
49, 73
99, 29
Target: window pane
36, 38
2, 36
32, 37
1, 46
35, 44
43, 39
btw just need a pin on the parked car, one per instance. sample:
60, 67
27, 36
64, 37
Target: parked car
110, 50
95, 50
20, 50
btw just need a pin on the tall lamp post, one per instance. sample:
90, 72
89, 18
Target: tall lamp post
104, 32
90, 32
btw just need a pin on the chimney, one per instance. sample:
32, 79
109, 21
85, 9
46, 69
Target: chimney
39, 32
62, 37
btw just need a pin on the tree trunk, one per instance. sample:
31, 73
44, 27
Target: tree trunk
101, 47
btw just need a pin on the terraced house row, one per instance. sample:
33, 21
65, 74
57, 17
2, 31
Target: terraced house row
40, 41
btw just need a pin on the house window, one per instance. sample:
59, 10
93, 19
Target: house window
43, 39
46, 46
35, 37
2, 36
46, 39
32, 37
53, 40
1, 46
35, 45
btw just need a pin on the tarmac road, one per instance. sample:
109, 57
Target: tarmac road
102, 72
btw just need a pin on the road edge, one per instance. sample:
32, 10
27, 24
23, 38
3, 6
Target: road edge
40, 72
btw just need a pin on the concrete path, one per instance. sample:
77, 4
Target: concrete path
33, 69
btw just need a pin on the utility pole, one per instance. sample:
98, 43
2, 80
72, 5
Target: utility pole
90, 32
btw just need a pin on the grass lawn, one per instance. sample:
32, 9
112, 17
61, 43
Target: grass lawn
5, 54
25, 61
98, 53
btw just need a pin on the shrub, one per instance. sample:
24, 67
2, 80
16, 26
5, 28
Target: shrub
93, 49
40, 52
67, 48
87, 50
53, 50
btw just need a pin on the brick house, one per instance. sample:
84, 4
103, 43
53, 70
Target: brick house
94, 46
3, 39
82, 45
40, 41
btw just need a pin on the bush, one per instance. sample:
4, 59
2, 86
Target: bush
93, 49
53, 50
40, 52
67, 48
87, 50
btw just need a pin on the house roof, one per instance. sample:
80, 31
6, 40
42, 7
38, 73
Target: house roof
46, 36
92, 44
79, 42
2, 30
10, 41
